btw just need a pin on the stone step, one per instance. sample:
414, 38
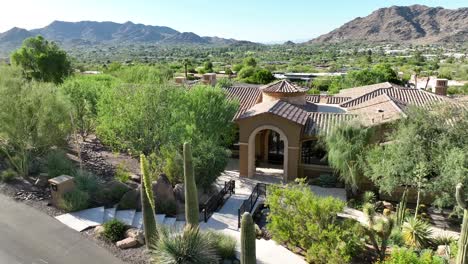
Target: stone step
138, 220
160, 218
125, 216
179, 225
109, 214
84, 219
170, 221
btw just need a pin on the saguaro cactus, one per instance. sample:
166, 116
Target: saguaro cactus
147, 205
462, 257
247, 240
191, 195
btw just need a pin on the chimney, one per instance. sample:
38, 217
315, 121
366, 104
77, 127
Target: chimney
441, 87
209, 79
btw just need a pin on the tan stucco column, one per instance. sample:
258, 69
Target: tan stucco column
293, 163
265, 146
243, 159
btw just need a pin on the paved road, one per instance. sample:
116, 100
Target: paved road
28, 236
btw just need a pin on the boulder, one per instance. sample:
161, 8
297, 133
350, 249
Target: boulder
42, 181
130, 200
136, 234
443, 250
162, 190
179, 192
128, 242
135, 178
388, 205
98, 231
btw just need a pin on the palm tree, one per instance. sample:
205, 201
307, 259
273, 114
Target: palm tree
186, 62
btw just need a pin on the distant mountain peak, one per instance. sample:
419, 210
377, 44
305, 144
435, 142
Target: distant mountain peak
414, 24
95, 33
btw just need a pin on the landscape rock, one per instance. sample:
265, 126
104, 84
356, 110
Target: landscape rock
98, 230
163, 191
442, 250
388, 205
128, 242
179, 192
136, 234
135, 178
130, 200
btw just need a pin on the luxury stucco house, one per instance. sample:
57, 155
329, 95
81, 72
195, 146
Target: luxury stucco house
280, 123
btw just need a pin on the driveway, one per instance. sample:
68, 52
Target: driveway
28, 236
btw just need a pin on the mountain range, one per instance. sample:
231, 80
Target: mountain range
95, 33
416, 24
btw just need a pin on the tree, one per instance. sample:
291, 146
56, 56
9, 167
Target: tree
346, 146
250, 61
83, 92
186, 62
262, 76
425, 152
33, 119
42, 60
208, 66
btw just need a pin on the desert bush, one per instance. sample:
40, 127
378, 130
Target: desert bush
110, 195
58, 164
301, 219
74, 200
368, 197
86, 181
225, 245
8, 175
416, 233
187, 246
122, 174
408, 256
33, 119
114, 230
396, 238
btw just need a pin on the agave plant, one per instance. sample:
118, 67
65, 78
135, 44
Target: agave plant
416, 233
189, 246
368, 197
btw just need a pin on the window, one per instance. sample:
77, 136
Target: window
313, 153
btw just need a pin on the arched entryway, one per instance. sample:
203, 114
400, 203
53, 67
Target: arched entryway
252, 148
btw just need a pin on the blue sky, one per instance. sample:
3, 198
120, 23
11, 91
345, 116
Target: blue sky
255, 20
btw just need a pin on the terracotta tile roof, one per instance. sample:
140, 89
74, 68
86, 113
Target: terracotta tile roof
322, 123
247, 96
410, 96
337, 99
326, 99
279, 108
361, 90
313, 98
283, 86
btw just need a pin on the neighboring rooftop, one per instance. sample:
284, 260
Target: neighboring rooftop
283, 86
279, 108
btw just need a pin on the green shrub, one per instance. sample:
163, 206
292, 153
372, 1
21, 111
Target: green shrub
336, 245
121, 174
58, 164
225, 245
111, 194
303, 220
114, 230
408, 256
74, 200
8, 175
396, 238
327, 180
187, 246
86, 181
368, 197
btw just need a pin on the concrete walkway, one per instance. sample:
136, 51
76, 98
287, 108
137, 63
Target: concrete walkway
28, 236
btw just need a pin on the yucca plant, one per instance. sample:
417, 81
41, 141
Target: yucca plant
416, 233
189, 246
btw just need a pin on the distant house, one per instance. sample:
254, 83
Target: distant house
280, 123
